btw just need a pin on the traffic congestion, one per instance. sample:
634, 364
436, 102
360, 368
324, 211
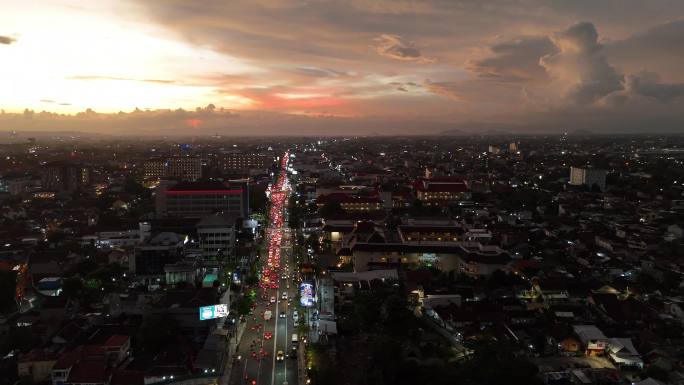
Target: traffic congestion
263, 357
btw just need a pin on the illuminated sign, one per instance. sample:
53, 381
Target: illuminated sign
213, 311
306, 294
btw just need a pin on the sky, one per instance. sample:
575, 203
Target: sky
342, 67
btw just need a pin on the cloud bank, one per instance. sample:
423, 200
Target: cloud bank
342, 66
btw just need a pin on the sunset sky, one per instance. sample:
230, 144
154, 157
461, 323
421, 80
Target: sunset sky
376, 65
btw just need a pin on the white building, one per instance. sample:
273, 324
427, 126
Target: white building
494, 149
588, 176
118, 239
216, 234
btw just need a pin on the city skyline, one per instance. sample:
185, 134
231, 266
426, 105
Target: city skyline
326, 67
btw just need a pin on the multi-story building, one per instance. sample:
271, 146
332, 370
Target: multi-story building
175, 167
216, 235
150, 257
441, 191
430, 234
184, 167
200, 199
350, 202
588, 176
65, 177
155, 168
235, 162
52, 177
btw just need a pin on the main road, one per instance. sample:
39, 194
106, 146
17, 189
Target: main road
264, 338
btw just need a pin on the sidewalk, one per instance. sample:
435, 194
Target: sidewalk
232, 349
301, 363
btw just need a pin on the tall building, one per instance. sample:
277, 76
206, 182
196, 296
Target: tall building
202, 198
155, 168
65, 177
236, 162
184, 167
175, 167
216, 235
588, 176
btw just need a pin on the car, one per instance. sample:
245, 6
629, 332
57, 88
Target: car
280, 356
284, 296
282, 314
296, 323
272, 299
295, 315
268, 335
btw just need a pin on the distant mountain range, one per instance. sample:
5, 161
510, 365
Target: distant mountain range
481, 128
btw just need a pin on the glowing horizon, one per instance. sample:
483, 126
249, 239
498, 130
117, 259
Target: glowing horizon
430, 61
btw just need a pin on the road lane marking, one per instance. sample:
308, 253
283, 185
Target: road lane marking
286, 334
275, 339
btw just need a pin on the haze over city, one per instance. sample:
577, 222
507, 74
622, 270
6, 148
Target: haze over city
292, 67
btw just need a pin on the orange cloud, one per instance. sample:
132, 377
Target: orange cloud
287, 100
193, 123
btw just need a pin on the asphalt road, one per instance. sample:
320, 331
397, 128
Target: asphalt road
258, 364
264, 369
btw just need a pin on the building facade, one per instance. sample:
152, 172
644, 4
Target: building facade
150, 257
441, 191
175, 167
216, 235
588, 176
200, 199
239, 162
65, 177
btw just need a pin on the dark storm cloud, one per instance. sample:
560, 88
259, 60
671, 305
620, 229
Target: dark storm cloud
646, 87
662, 92
580, 68
515, 60
207, 121
659, 49
394, 47
522, 60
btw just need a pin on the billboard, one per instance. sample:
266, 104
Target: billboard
306, 294
213, 311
